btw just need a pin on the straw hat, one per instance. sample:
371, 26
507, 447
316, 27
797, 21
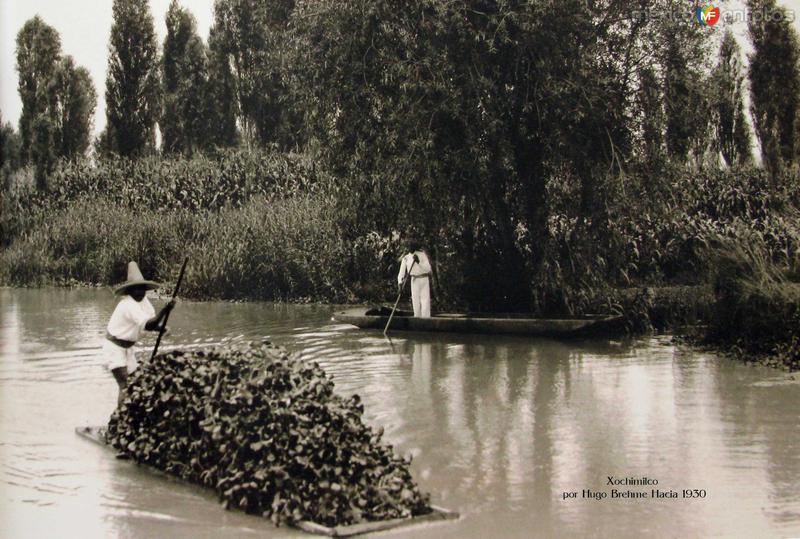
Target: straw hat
135, 278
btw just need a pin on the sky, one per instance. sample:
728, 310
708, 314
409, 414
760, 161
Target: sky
85, 25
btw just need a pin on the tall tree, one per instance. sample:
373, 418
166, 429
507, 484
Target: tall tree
43, 150
250, 41
774, 76
184, 122
687, 123
10, 143
73, 103
132, 83
38, 53
733, 137
652, 118
454, 115
221, 102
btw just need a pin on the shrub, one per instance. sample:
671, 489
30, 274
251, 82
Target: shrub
230, 178
286, 250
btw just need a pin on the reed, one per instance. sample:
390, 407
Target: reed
277, 250
757, 307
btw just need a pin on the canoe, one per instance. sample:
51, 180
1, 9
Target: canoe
509, 324
98, 436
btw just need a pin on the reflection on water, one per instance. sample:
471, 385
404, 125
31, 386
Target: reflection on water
499, 427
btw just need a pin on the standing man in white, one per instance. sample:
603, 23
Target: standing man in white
133, 313
417, 266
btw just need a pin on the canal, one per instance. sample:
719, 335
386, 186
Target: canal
524, 437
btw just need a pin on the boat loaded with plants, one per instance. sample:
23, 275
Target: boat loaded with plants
266, 431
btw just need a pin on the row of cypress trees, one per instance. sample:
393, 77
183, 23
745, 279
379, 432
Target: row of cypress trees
237, 88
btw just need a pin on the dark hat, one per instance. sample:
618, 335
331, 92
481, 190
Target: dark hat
413, 243
135, 278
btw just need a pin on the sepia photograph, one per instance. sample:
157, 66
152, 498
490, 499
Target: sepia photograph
457, 269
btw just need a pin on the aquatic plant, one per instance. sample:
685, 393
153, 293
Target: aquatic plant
267, 432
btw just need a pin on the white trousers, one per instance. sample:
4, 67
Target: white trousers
117, 356
421, 296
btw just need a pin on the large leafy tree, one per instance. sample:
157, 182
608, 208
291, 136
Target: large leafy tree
58, 100
652, 119
668, 120
451, 116
685, 94
38, 54
222, 105
774, 75
185, 78
733, 137
42, 150
73, 103
132, 83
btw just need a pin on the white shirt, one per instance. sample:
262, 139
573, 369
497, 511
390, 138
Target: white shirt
129, 318
423, 267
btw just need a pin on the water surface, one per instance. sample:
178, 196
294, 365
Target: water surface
499, 427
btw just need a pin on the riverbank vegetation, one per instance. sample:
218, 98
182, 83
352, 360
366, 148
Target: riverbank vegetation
757, 311
547, 155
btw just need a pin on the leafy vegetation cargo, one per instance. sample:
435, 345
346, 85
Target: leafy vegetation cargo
266, 431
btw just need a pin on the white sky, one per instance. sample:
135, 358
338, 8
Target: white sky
85, 25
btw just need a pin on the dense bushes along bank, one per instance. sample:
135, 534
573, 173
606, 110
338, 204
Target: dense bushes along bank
272, 225
757, 310
286, 250
204, 182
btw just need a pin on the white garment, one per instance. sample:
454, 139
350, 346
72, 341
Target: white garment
421, 296
117, 356
423, 267
420, 281
129, 318
126, 323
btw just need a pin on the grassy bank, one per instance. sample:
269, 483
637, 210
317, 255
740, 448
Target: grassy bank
281, 250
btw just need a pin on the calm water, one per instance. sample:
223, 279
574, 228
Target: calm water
499, 427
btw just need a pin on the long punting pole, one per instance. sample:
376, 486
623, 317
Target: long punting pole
402, 286
166, 316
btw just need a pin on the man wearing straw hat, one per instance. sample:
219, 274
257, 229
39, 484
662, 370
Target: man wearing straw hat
133, 313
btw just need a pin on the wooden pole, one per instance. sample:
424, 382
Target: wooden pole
166, 316
408, 273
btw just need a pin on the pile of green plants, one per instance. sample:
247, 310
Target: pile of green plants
267, 432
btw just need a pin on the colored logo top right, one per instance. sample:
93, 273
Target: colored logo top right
707, 15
